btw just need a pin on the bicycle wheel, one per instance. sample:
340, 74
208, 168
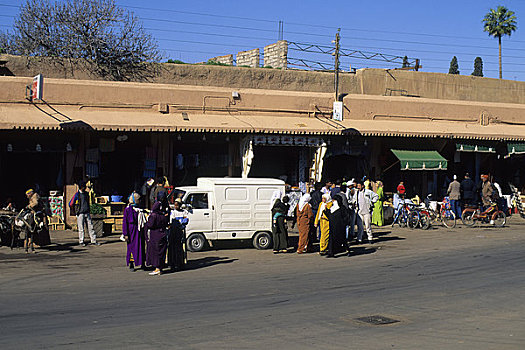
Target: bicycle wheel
468, 217
500, 219
448, 218
424, 221
402, 220
413, 219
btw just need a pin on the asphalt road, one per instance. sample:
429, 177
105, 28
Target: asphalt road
459, 289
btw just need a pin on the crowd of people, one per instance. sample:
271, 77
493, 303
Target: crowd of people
467, 193
339, 213
152, 230
335, 215
329, 214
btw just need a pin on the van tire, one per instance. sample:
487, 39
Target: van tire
262, 240
196, 242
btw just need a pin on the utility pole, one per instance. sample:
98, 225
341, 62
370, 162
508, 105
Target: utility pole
281, 31
336, 70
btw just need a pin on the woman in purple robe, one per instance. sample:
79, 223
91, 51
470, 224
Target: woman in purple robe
133, 236
157, 243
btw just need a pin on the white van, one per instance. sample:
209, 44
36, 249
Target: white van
229, 208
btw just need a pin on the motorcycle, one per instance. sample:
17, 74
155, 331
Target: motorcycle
6, 227
32, 224
491, 215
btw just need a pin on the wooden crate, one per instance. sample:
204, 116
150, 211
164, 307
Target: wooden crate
109, 221
57, 227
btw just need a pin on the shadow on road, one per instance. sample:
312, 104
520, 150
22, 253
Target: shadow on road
60, 247
386, 239
194, 264
355, 251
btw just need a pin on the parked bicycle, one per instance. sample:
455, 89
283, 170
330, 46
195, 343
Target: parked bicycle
492, 215
442, 215
401, 217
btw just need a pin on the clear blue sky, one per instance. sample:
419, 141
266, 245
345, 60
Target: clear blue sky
433, 31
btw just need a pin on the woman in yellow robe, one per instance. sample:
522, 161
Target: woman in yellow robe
322, 220
377, 214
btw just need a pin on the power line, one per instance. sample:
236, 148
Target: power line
200, 14
164, 10
311, 25
311, 34
432, 44
210, 34
440, 52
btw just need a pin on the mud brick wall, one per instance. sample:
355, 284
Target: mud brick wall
226, 59
248, 58
276, 55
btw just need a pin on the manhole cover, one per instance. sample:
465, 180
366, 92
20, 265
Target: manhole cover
376, 320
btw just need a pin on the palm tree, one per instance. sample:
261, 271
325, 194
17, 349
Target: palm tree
497, 23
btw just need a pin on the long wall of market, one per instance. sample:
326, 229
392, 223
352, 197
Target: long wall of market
119, 134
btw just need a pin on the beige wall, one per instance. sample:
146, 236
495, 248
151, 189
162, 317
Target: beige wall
366, 81
359, 107
441, 86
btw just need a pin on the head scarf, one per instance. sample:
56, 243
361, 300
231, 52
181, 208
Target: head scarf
335, 206
134, 198
328, 199
303, 201
277, 194
156, 207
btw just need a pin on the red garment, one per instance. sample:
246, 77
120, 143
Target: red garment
401, 189
305, 223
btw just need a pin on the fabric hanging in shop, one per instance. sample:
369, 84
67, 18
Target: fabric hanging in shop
106, 145
420, 160
92, 170
461, 147
247, 156
516, 148
179, 162
56, 205
92, 155
192, 161
316, 172
303, 169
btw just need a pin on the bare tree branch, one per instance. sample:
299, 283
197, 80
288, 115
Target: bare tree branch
105, 39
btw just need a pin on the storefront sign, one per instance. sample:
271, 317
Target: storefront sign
274, 140
314, 141
338, 111
300, 141
287, 140
36, 87
259, 140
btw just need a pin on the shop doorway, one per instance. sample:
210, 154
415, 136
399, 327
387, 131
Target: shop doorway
41, 171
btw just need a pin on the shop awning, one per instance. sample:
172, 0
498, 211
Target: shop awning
516, 148
420, 160
29, 117
462, 147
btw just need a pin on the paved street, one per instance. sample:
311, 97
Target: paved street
449, 289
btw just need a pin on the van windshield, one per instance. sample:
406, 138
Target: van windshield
177, 193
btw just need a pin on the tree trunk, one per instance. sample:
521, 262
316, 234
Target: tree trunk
500, 70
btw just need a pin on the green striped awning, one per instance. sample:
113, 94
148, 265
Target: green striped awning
516, 148
420, 160
461, 147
